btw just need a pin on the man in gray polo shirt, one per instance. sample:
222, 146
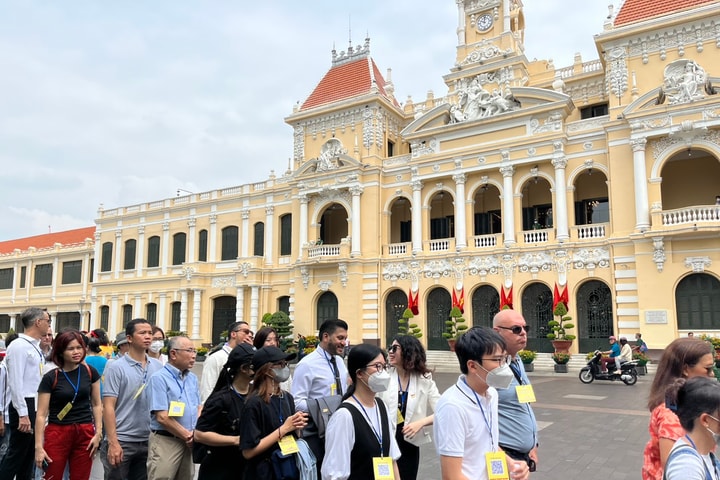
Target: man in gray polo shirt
126, 407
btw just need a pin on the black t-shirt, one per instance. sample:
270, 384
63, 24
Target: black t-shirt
221, 414
259, 420
63, 392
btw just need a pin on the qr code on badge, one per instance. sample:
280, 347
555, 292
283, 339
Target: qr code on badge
383, 470
496, 467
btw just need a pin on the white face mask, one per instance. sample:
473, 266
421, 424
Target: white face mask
716, 436
379, 382
156, 346
281, 374
500, 377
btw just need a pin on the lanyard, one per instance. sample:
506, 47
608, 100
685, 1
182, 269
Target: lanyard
333, 366
42, 358
75, 387
487, 423
378, 435
181, 387
278, 407
403, 394
687, 437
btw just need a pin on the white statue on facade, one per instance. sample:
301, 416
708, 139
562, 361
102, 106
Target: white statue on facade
685, 81
329, 153
475, 102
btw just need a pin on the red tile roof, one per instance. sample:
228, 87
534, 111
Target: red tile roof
633, 11
68, 237
348, 80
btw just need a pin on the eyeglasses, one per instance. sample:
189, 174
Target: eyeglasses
378, 366
188, 350
499, 360
282, 364
517, 329
246, 331
393, 348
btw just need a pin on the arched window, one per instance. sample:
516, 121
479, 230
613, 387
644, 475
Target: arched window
126, 314
537, 302
284, 304
202, 245
175, 316
179, 241
395, 305
104, 317
594, 315
327, 307
106, 261
229, 243
485, 304
437, 306
259, 239
286, 234
130, 247
697, 300
153, 259
151, 313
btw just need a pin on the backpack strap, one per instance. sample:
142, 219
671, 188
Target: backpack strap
685, 449
54, 384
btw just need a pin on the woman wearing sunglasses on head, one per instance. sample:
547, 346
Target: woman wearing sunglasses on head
697, 404
359, 439
683, 358
411, 391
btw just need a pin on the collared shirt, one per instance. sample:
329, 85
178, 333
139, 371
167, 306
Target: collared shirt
171, 385
211, 371
518, 428
626, 353
314, 378
4, 393
615, 350
123, 378
25, 363
464, 428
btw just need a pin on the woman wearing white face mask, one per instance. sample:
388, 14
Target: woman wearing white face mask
359, 432
158, 342
696, 402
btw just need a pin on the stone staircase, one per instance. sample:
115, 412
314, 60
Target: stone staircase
447, 362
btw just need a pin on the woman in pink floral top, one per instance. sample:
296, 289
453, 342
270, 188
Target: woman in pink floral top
685, 357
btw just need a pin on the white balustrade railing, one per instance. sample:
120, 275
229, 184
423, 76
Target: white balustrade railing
681, 216
318, 251
591, 231
536, 236
397, 248
484, 241
439, 245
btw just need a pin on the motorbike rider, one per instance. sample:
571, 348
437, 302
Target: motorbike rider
613, 352
625, 353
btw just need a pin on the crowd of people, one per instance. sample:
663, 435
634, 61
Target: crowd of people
141, 413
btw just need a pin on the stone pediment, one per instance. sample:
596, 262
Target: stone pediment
333, 156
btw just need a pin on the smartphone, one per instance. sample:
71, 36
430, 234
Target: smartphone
45, 465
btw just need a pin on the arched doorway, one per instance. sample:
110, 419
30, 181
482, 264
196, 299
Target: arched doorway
395, 305
537, 300
223, 316
437, 307
485, 304
333, 224
594, 315
327, 308
697, 302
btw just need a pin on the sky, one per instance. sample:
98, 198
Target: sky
121, 103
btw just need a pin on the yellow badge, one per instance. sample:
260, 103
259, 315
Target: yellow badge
288, 445
177, 409
333, 389
139, 391
401, 419
497, 466
41, 368
525, 393
64, 411
383, 468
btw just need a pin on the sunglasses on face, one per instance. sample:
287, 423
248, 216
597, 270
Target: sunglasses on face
393, 348
517, 329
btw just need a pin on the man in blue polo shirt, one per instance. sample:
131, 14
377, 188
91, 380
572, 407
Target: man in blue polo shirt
174, 407
613, 352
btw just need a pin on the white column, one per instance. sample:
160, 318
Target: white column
137, 308
416, 216
460, 235
508, 214
355, 250
113, 320
140, 260
162, 320
245, 234
212, 248
561, 210
196, 314
192, 236
118, 252
254, 307
98, 257
165, 247
183, 310
642, 210
461, 21
269, 236
303, 224
240, 304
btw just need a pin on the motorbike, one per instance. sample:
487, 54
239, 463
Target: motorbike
593, 371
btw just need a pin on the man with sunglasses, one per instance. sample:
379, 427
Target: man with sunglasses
239, 332
516, 419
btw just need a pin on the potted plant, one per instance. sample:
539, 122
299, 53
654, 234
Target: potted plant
201, 354
559, 336
282, 324
407, 328
641, 359
527, 357
561, 360
454, 327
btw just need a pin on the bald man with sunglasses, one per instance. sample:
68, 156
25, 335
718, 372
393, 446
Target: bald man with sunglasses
516, 419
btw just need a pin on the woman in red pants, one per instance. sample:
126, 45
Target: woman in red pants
69, 401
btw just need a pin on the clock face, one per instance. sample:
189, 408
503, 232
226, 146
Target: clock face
484, 22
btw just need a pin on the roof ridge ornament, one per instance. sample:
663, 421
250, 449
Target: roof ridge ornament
353, 53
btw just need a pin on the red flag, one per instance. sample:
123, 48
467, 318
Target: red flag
461, 300
413, 302
454, 299
505, 298
556, 297
564, 297
559, 297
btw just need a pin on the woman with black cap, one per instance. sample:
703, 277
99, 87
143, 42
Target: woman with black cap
269, 418
217, 433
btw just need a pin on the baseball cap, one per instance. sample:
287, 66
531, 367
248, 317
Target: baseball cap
120, 339
612, 337
240, 355
269, 355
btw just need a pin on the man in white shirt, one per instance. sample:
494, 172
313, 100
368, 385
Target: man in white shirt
625, 353
320, 374
238, 332
25, 364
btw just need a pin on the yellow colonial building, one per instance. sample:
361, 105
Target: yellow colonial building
602, 177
